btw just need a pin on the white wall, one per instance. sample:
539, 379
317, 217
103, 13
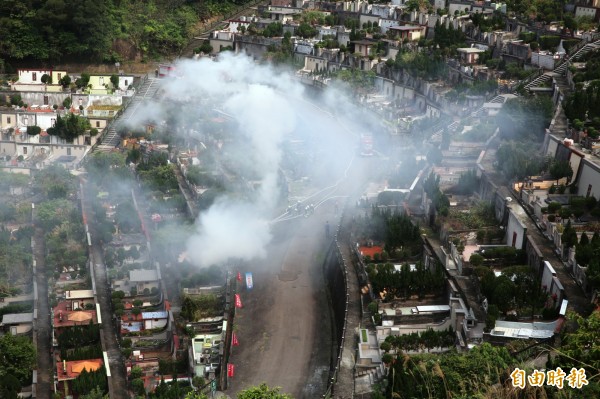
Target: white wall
589, 177
33, 76
514, 227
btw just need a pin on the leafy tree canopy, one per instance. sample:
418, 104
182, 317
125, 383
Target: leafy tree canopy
56, 30
263, 392
525, 119
17, 358
69, 127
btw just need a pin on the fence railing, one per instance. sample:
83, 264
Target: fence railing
342, 262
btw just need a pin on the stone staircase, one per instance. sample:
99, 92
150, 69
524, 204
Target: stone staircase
365, 377
146, 91
562, 68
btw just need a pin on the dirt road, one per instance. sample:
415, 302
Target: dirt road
284, 327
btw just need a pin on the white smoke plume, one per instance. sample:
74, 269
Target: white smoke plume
233, 229
256, 97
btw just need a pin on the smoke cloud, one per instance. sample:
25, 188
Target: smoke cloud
234, 229
257, 98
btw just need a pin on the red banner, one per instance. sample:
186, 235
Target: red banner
234, 340
238, 301
230, 370
239, 276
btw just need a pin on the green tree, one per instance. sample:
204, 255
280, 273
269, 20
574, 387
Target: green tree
65, 81
569, 236
195, 395
33, 130
69, 127
306, 31
46, 79
580, 348
114, 80
10, 387
17, 358
95, 393
136, 372
262, 391
54, 182
525, 119
560, 169
83, 81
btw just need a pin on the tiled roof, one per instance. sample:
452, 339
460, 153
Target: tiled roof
71, 370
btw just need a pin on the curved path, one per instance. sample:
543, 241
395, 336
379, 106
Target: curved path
284, 327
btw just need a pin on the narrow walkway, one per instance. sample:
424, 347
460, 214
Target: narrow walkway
147, 90
117, 382
344, 386
45, 373
573, 292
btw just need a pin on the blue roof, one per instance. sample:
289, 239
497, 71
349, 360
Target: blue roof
132, 326
155, 315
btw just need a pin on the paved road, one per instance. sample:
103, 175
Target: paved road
45, 374
284, 328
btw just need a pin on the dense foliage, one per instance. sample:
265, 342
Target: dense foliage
56, 30
450, 375
440, 201
196, 307
17, 358
516, 159
525, 118
405, 283
70, 127
15, 259
87, 381
262, 391
427, 339
420, 64
584, 102
79, 336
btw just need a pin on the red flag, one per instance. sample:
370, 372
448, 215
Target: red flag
239, 276
230, 370
238, 301
234, 340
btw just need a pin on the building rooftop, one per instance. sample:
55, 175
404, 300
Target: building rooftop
17, 318
71, 370
405, 27
469, 50
155, 315
64, 317
143, 275
512, 329
79, 294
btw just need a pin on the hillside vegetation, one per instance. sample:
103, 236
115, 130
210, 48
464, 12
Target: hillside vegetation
100, 30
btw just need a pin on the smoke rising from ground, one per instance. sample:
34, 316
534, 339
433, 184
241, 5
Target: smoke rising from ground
234, 226
234, 229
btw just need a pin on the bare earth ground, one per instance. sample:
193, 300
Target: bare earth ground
284, 327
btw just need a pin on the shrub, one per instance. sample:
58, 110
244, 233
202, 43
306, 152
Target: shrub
33, 130
553, 207
118, 294
476, 260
